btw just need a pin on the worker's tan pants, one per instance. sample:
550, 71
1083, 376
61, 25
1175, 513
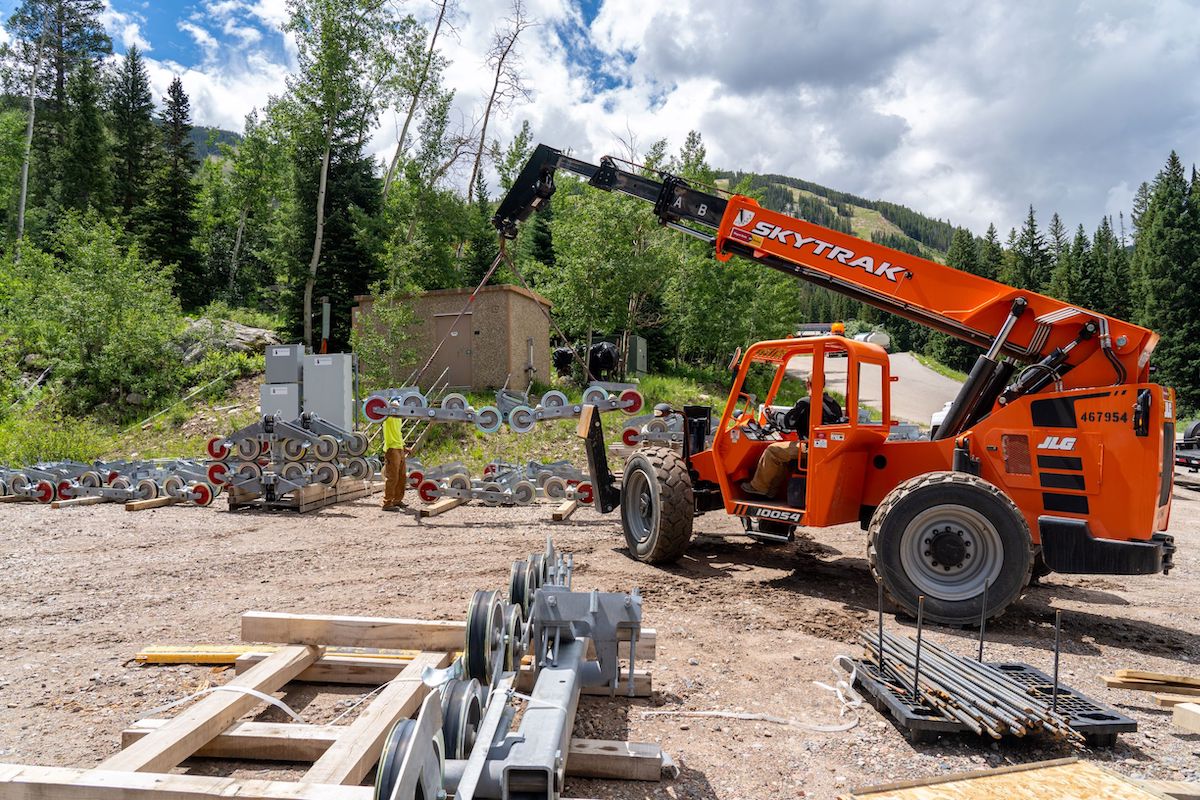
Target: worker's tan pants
773, 467
395, 477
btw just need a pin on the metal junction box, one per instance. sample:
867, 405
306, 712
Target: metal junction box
329, 388
280, 398
284, 363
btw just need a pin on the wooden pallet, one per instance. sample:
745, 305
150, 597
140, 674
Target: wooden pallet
341, 757
310, 498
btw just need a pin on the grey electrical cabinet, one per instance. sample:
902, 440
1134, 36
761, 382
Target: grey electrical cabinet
329, 388
637, 363
284, 363
280, 398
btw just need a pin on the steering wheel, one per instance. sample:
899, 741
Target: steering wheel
791, 419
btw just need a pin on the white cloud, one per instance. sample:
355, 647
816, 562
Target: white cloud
124, 26
965, 111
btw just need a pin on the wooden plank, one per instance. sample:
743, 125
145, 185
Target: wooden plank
295, 742
1179, 790
1158, 677
15, 498
202, 721
564, 510
79, 501
624, 761
441, 506
384, 632
1187, 716
353, 670
255, 741
229, 653
157, 502
356, 751
1169, 700
21, 782
1067, 779
1147, 686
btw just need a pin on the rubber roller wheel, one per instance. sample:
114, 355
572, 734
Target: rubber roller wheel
294, 449
217, 448
248, 449
517, 594
553, 399
119, 482
635, 400
414, 478
218, 473
657, 425
630, 437
492, 487
429, 491
414, 400
584, 493
146, 489
514, 650
325, 448
459, 481
488, 419
326, 474
454, 402
3, 488
373, 409
292, 472
400, 741
358, 468
250, 470
202, 493
65, 492
484, 636
173, 486
91, 479
461, 713
555, 488
594, 394
521, 419
540, 569
357, 444
524, 493
44, 492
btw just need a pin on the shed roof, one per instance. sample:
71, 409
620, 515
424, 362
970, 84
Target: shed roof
464, 291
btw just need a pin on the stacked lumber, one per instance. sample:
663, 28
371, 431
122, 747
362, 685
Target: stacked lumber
1179, 692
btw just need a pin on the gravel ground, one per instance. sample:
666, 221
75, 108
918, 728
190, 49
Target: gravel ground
741, 628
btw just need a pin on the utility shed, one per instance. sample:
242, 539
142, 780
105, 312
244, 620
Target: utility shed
503, 334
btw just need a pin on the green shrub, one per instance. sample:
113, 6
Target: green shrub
46, 434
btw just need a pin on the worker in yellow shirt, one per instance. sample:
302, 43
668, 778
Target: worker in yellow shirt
395, 475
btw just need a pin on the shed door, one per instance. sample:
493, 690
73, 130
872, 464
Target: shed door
455, 355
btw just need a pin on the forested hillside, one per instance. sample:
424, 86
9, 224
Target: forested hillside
122, 218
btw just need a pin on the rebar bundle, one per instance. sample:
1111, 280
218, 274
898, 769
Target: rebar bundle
977, 694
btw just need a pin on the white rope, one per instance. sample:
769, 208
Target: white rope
266, 698
843, 688
359, 702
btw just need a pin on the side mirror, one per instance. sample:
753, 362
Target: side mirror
737, 357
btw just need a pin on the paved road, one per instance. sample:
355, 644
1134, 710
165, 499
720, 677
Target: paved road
917, 394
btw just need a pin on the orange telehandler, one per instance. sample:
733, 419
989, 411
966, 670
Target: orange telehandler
1055, 456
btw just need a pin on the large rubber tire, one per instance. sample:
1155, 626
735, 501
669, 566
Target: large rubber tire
971, 510
657, 505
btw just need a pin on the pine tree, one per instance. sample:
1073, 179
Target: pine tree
131, 110
85, 150
168, 222
964, 255
481, 244
1059, 247
1111, 265
991, 255
1166, 256
1031, 263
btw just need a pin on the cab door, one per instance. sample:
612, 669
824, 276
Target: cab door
838, 456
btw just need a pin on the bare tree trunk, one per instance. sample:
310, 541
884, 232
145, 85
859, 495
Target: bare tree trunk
237, 246
37, 63
316, 253
416, 99
487, 113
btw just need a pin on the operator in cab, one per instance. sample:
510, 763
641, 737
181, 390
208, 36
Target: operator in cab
772, 467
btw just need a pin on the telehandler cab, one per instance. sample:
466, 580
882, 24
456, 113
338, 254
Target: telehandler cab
1056, 455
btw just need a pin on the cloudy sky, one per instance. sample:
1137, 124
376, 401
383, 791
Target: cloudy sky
967, 111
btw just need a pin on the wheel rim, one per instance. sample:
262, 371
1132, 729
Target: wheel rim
641, 512
951, 552
594, 395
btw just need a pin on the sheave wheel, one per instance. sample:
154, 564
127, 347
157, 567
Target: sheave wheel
947, 535
657, 505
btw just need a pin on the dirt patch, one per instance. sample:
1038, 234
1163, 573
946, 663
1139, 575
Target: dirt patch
741, 627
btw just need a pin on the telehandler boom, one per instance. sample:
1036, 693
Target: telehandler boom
1055, 456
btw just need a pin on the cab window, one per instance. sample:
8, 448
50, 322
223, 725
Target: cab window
870, 393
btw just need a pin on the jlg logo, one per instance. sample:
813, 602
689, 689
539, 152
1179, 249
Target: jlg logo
1055, 443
